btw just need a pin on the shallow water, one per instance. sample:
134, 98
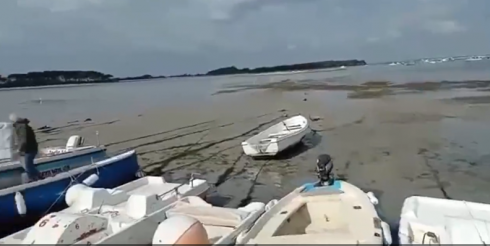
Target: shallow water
468, 140
110, 100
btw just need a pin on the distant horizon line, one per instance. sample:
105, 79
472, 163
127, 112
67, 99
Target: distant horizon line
174, 75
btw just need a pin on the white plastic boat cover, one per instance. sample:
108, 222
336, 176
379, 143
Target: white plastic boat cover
451, 221
6, 140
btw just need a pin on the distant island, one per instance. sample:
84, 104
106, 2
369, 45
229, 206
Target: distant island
286, 68
46, 78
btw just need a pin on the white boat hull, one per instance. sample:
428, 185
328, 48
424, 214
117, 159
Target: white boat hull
277, 138
337, 214
426, 220
138, 222
136, 198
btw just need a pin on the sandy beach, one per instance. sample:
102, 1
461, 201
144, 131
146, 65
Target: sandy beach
395, 145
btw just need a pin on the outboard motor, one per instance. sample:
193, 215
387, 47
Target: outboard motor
324, 166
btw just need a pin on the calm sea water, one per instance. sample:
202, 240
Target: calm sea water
79, 102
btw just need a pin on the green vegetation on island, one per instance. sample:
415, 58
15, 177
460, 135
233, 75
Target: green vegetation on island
46, 78
286, 68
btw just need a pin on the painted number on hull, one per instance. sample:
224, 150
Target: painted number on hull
52, 172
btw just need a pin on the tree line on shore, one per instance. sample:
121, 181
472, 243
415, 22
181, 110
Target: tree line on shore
83, 77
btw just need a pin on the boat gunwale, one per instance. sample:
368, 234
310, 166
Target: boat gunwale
10, 165
69, 173
173, 202
280, 138
256, 228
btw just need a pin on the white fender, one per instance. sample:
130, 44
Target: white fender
253, 207
271, 204
20, 203
242, 235
386, 233
90, 180
73, 192
140, 174
372, 198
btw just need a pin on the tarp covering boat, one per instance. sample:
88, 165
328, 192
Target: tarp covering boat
6, 140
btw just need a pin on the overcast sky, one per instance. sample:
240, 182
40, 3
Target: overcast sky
133, 37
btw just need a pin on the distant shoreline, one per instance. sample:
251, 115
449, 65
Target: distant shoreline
52, 79
44, 86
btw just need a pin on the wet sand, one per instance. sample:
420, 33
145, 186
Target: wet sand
394, 144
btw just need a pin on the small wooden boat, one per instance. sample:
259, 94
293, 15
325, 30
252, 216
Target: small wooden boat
277, 138
426, 220
327, 212
140, 220
49, 162
22, 205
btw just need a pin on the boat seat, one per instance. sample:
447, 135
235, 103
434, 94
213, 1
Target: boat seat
265, 140
278, 134
211, 215
141, 205
94, 197
283, 133
294, 127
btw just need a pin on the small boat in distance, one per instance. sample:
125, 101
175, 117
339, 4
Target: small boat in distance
50, 161
327, 212
22, 205
476, 58
277, 138
426, 220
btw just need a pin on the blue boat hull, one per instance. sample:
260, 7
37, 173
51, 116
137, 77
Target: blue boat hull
13, 177
50, 196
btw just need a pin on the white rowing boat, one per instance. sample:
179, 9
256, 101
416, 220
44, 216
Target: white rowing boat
136, 199
426, 220
277, 138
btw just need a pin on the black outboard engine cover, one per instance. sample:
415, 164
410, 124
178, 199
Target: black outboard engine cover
324, 166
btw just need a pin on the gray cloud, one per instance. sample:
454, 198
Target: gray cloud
130, 37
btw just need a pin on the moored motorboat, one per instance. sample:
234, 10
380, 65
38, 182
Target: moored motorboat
22, 205
82, 198
50, 161
140, 219
426, 220
327, 212
277, 138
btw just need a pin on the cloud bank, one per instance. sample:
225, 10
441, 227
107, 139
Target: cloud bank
132, 37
